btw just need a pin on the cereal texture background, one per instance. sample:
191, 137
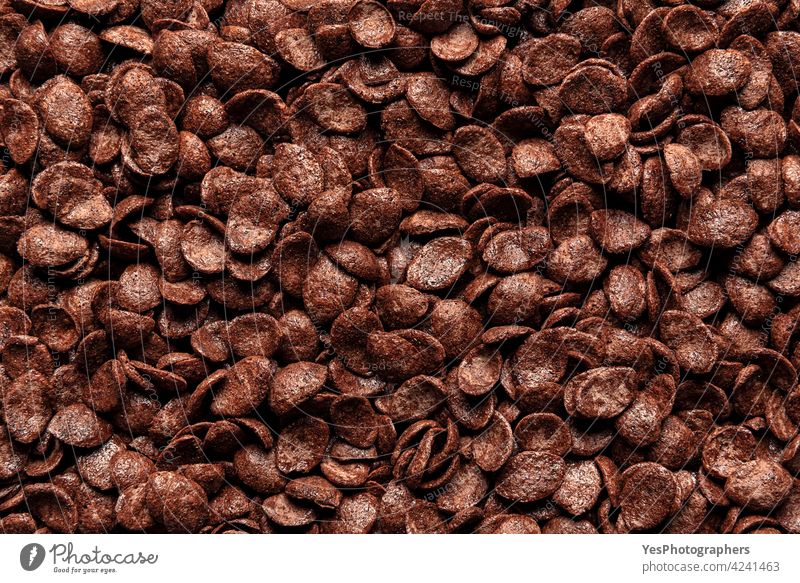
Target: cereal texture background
449, 266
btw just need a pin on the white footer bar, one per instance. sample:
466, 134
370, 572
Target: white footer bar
409, 559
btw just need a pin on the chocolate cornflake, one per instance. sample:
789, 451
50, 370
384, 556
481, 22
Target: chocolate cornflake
399, 267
